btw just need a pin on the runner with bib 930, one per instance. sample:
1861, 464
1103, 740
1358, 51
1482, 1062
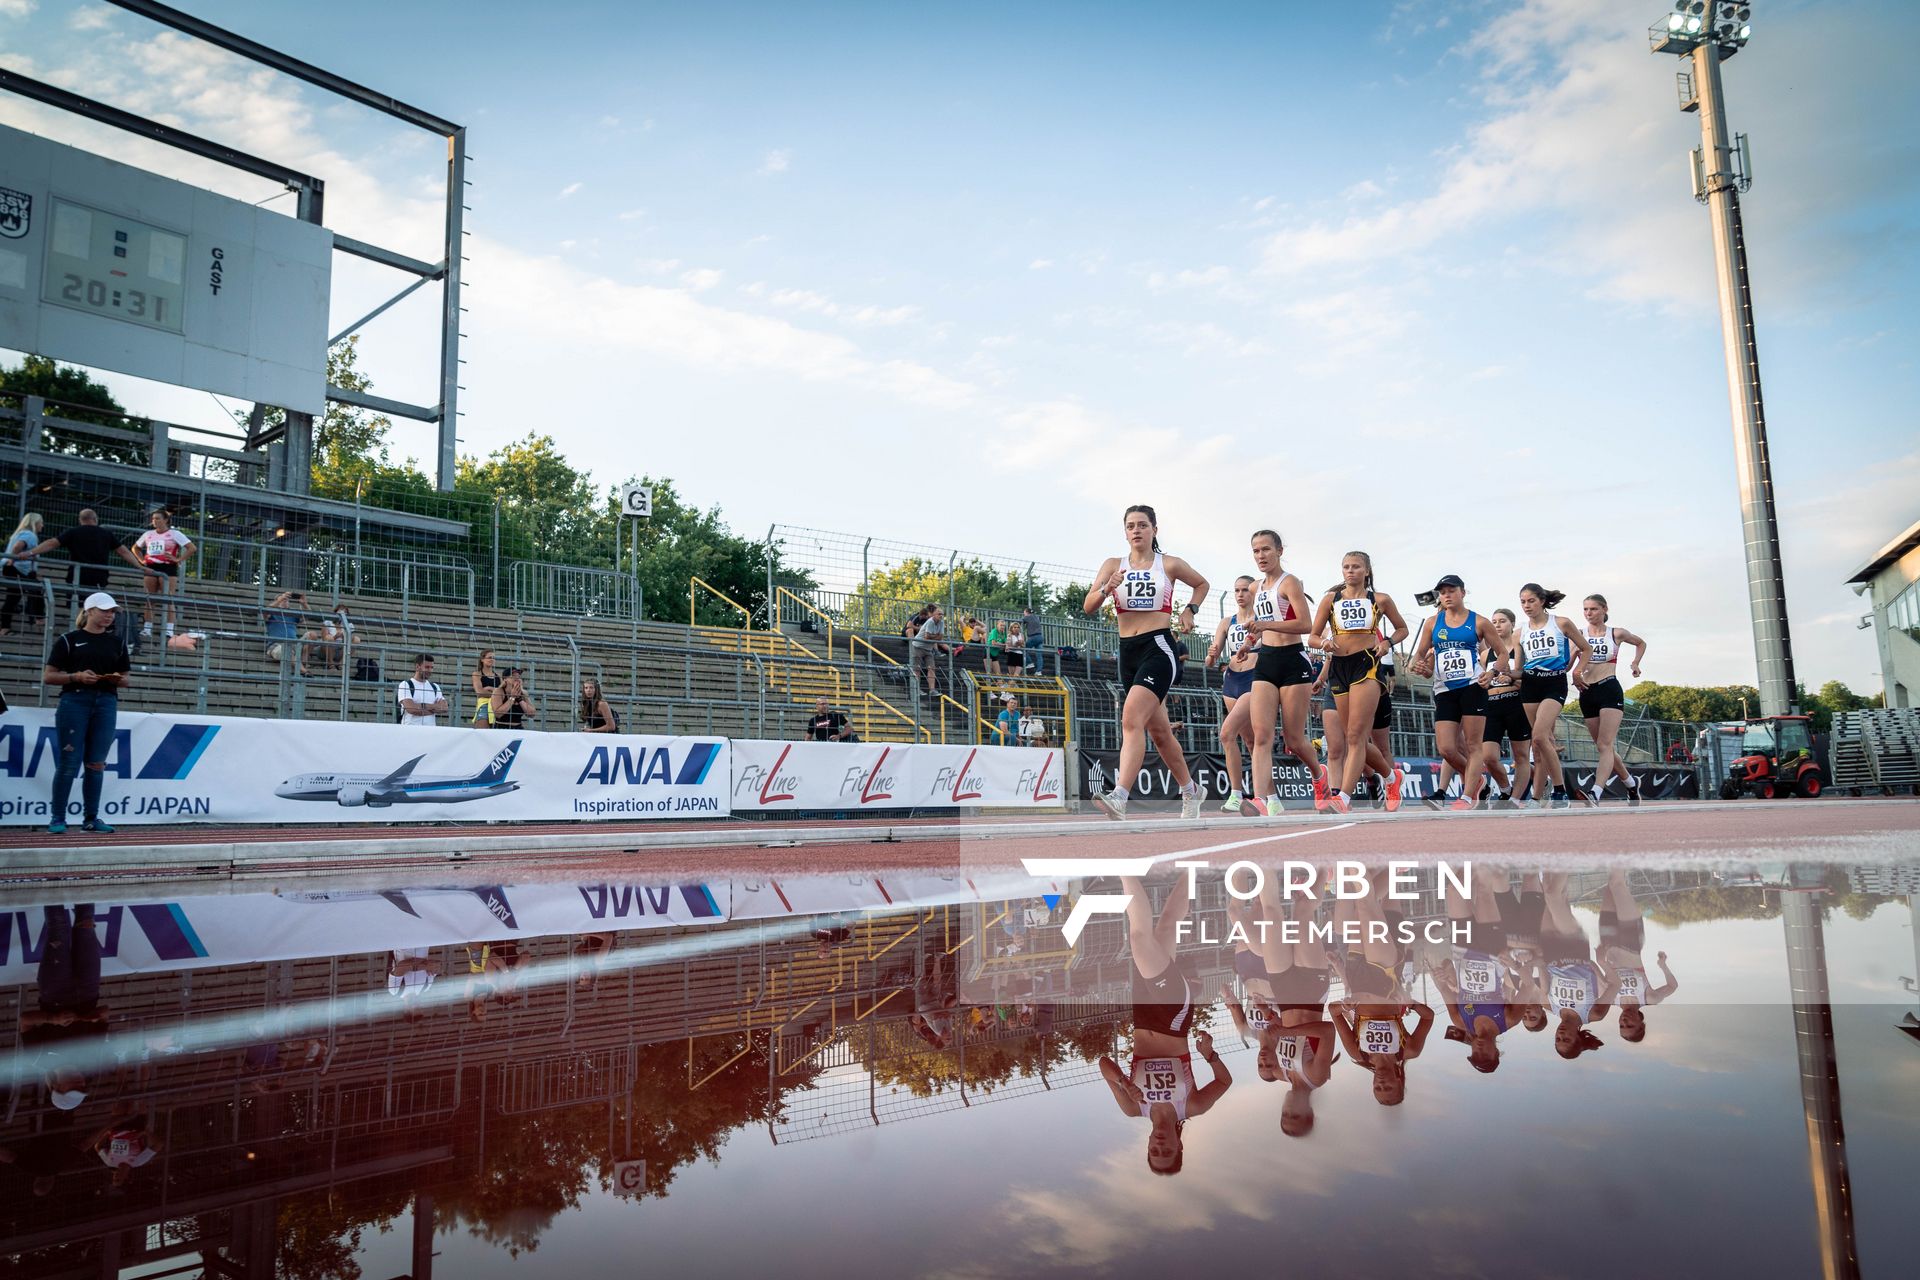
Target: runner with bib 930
1140, 585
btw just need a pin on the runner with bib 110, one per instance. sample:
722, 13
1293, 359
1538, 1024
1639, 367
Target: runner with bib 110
1140, 586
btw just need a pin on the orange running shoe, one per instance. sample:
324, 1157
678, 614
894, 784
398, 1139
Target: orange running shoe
1337, 803
1320, 791
1393, 789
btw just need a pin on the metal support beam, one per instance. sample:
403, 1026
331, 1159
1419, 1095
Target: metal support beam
168, 16
53, 96
387, 257
380, 404
374, 314
450, 309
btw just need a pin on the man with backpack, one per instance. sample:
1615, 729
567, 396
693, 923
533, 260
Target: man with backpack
421, 700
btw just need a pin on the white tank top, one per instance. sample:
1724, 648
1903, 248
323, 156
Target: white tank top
1236, 638
1572, 986
1164, 1080
1293, 1053
1147, 590
1270, 604
1606, 648
1481, 977
1633, 987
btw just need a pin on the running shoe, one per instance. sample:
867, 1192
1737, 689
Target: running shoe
1190, 804
1463, 805
1435, 803
1374, 796
1633, 796
1258, 807
98, 825
1111, 805
1393, 789
1232, 804
1528, 803
1591, 799
1486, 800
56, 828
146, 631
1337, 803
1320, 791
1560, 802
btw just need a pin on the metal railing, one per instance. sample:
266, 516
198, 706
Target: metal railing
536, 586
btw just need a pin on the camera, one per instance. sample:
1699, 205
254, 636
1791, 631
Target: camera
1426, 599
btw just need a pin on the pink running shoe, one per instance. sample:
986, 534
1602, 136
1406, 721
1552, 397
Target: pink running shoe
1462, 805
1320, 791
1337, 803
1393, 789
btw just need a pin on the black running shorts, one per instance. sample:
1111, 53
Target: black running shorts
1148, 662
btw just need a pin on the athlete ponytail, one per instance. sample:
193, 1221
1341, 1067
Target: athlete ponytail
1152, 519
1602, 602
1549, 599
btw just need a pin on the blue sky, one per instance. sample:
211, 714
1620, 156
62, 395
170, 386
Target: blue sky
1423, 278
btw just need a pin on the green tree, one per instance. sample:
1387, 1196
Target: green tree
77, 397
549, 505
1687, 702
1833, 699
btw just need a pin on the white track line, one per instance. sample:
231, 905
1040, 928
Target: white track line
1140, 866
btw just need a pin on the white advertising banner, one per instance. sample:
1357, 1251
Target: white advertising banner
142, 935
773, 776
173, 769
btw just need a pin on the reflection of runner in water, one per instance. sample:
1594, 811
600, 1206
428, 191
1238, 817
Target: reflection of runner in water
1623, 935
1484, 991
1158, 1082
1371, 1020
1572, 979
1300, 1046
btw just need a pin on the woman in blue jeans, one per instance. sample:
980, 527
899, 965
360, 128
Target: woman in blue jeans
89, 666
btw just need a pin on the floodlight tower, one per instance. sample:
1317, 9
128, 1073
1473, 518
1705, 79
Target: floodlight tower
1708, 32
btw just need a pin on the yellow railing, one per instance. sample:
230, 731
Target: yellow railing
968, 712
694, 587
782, 593
873, 701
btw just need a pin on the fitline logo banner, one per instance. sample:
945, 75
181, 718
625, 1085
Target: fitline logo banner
879, 775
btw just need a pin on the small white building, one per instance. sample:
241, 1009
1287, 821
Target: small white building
1891, 582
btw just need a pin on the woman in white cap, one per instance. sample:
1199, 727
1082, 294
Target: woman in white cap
89, 666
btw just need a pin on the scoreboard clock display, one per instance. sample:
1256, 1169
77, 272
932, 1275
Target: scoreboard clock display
115, 266
111, 267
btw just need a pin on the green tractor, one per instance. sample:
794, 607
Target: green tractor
1776, 759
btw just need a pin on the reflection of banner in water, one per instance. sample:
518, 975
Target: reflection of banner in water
196, 933
1154, 787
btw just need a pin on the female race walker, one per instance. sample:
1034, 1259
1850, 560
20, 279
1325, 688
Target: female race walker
1602, 700
1282, 676
1449, 650
1229, 647
1140, 584
1353, 609
1553, 651
1507, 718
1158, 1083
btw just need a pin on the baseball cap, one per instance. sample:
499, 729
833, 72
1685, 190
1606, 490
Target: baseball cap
66, 1099
101, 600
1451, 580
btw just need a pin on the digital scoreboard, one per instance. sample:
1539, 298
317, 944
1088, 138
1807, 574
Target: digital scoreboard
112, 267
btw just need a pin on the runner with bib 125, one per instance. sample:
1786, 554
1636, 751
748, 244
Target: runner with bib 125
1140, 586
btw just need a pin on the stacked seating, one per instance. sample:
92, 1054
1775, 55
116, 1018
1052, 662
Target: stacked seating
1877, 748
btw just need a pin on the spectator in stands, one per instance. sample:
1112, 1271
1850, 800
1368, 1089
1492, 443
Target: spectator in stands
1036, 645
511, 706
929, 637
1014, 660
68, 1011
1034, 732
89, 547
828, 725
410, 974
124, 1144
89, 666
596, 713
1007, 724
160, 552
421, 700
283, 622
935, 993
19, 569
320, 647
996, 648
484, 680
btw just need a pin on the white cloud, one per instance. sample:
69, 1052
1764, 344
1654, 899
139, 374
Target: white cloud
701, 279
631, 215
1040, 264
1209, 277
572, 188
17, 8
813, 303
609, 122
776, 161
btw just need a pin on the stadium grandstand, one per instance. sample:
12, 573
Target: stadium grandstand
436, 582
